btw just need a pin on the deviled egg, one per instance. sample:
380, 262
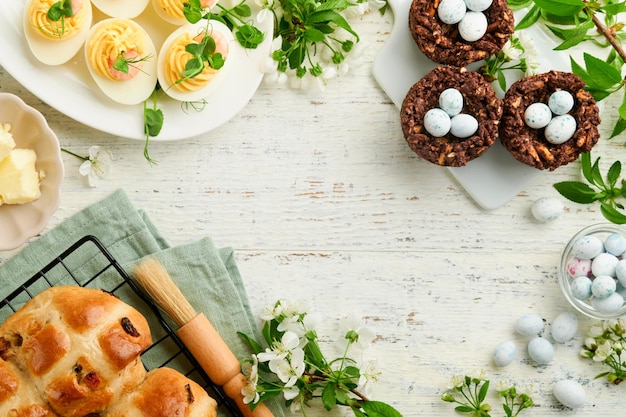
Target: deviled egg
187, 77
122, 60
55, 30
172, 11
121, 8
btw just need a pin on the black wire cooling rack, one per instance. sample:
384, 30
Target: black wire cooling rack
88, 263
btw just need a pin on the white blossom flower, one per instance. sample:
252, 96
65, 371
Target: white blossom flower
456, 381
96, 166
266, 10
290, 368
595, 331
356, 332
251, 371
604, 350
291, 393
530, 53
280, 349
368, 374
512, 51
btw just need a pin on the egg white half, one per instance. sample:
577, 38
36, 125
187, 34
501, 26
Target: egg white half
217, 79
121, 8
52, 51
138, 88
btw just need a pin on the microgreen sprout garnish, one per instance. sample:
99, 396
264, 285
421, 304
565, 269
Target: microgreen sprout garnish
153, 123
607, 191
197, 106
122, 63
201, 53
470, 393
59, 11
606, 344
289, 362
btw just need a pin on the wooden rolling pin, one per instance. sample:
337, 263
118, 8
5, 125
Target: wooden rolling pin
198, 335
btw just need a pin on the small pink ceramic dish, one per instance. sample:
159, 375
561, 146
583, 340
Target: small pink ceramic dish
30, 130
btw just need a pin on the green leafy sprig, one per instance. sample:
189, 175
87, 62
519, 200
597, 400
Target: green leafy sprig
578, 21
606, 344
153, 123
294, 365
606, 190
470, 393
59, 11
123, 64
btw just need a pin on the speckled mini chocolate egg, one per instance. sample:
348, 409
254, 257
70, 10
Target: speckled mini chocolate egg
608, 305
478, 5
463, 125
437, 122
581, 288
564, 327
547, 209
451, 101
603, 286
541, 350
604, 264
615, 244
587, 247
537, 115
504, 353
451, 11
473, 26
561, 102
560, 129
529, 324
569, 393
620, 271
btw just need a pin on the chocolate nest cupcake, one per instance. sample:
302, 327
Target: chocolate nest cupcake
536, 146
441, 42
479, 102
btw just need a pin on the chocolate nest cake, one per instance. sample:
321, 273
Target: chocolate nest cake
480, 101
441, 42
529, 145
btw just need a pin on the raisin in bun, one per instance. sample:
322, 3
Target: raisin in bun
77, 348
165, 393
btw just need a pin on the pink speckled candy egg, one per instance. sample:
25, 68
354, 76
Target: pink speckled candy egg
579, 267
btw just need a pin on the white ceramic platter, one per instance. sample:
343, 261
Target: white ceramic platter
495, 177
70, 89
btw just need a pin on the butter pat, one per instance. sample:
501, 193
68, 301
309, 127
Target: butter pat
6, 140
19, 179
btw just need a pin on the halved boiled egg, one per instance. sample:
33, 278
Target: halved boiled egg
122, 60
172, 11
56, 29
174, 64
121, 8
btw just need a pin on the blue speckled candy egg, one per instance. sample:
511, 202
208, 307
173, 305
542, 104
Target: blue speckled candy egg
473, 26
569, 393
504, 353
564, 327
478, 5
437, 122
537, 115
561, 102
547, 209
451, 11
604, 264
451, 101
463, 125
540, 350
603, 286
608, 305
581, 288
620, 271
578, 267
560, 129
529, 324
615, 244
587, 247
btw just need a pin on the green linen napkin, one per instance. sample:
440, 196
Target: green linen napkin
207, 276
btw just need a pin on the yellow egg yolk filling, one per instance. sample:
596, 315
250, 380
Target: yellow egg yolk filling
64, 28
116, 40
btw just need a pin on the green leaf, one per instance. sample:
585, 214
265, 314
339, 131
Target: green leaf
529, 18
596, 174
326, 16
619, 127
296, 56
314, 35
482, 394
249, 36
603, 74
328, 397
611, 214
576, 191
585, 166
564, 8
379, 409
572, 41
613, 9
613, 174
256, 347
567, 33
153, 121
464, 409
243, 10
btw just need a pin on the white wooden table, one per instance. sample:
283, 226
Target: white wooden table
322, 199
